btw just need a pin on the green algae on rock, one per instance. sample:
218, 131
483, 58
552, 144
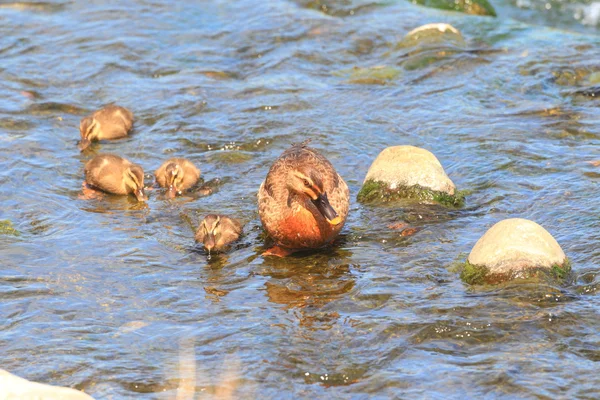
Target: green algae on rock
409, 172
515, 248
481, 275
378, 75
473, 7
230, 157
429, 44
6, 228
378, 191
425, 44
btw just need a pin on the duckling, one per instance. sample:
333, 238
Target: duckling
218, 231
177, 174
114, 174
110, 122
303, 202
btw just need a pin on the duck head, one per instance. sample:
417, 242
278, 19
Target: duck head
133, 177
210, 231
174, 176
308, 183
89, 128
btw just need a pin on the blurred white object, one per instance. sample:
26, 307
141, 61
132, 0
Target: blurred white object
14, 388
591, 14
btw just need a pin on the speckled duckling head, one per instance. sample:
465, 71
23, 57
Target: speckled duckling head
174, 176
89, 128
177, 175
133, 177
217, 231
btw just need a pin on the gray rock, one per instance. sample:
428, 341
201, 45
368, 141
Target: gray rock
13, 387
512, 247
408, 166
433, 33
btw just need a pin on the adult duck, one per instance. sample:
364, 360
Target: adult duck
303, 202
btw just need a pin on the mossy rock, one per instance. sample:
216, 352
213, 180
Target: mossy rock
377, 191
570, 76
473, 7
594, 78
480, 275
515, 248
230, 157
378, 75
430, 35
6, 228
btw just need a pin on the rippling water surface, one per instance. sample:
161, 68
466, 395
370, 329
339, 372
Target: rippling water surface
114, 298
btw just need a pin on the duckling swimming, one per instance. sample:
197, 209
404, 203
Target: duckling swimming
177, 174
110, 122
114, 174
217, 231
303, 202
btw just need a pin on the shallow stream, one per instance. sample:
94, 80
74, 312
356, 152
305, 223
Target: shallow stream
114, 298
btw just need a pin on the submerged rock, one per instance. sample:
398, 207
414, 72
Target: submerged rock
408, 172
6, 228
429, 44
378, 75
13, 387
474, 7
515, 248
432, 34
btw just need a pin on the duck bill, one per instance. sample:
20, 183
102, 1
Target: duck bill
322, 204
209, 241
140, 195
84, 144
172, 192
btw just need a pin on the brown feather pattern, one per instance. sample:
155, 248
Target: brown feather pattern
114, 122
191, 174
107, 172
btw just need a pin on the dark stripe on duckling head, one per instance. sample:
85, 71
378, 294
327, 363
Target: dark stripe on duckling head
171, 172
136, 174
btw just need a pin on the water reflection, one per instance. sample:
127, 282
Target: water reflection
297, 284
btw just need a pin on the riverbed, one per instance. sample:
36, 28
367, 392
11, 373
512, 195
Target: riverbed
113, 297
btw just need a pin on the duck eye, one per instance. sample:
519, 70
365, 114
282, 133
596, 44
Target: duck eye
306, 183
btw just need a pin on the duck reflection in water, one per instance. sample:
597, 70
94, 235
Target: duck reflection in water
308, 283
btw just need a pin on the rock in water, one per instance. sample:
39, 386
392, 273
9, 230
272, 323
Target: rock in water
408, 172
474, 7
431, 43
13, 387
514, 248
433, 34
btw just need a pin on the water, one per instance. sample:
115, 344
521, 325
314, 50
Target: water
113, 297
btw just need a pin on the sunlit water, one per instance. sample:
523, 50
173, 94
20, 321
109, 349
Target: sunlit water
113, 297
